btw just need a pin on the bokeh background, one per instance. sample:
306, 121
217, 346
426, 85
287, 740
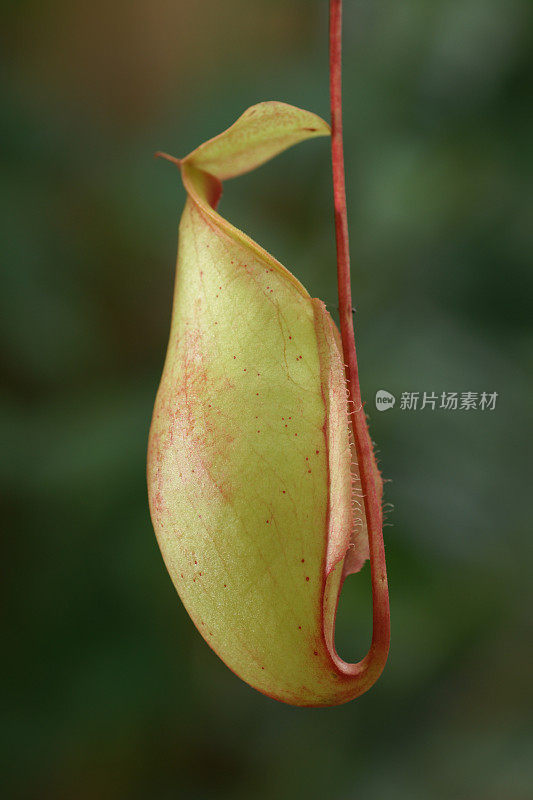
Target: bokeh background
110, 692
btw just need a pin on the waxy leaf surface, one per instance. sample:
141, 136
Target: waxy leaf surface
254, 490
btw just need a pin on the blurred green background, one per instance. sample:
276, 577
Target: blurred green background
110, 692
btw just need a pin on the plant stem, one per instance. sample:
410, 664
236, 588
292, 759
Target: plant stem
369, 669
